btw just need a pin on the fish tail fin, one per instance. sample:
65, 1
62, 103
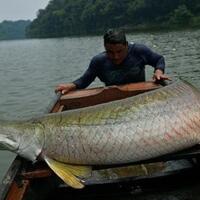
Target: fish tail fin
70, 174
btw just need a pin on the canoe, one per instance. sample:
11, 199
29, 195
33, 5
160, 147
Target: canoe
26, 180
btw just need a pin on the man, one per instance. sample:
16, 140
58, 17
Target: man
121, 63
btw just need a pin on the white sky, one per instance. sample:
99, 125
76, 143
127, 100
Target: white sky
20, 9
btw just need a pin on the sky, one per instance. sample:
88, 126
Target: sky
20, 9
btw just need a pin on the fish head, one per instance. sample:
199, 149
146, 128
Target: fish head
21, 138
9, 137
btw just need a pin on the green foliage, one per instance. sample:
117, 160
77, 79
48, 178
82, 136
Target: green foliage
80, 17
13, 30
195, 21
181, 16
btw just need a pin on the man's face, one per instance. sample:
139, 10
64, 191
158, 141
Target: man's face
116, 52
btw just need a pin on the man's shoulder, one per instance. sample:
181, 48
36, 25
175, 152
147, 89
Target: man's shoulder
138, 48
98, 60
99, 57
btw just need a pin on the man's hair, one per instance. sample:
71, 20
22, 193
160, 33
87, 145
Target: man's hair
114, 36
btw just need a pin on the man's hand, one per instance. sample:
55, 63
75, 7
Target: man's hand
159, 75
64, 88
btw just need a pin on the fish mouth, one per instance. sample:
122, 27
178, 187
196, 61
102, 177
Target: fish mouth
8, 144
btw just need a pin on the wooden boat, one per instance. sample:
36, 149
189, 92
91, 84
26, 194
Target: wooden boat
25, 180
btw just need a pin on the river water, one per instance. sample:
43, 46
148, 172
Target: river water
30, 69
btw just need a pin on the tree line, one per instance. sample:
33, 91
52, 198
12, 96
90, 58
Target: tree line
82, 17
13, 29
88, 17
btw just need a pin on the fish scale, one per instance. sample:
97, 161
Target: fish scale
136, 128
179, 92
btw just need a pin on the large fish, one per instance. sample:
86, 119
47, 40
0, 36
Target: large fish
136, 128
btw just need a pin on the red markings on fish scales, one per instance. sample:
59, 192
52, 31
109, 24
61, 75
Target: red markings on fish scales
150, 141
168, 136
191, 124
177, 132
196, 122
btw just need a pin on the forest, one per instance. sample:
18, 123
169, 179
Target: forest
63, 18
13, 29
87, 17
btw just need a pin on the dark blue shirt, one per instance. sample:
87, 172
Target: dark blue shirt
131, 70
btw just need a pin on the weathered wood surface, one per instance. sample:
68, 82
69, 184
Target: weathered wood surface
89, 97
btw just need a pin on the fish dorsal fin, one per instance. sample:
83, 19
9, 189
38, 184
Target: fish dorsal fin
70, 174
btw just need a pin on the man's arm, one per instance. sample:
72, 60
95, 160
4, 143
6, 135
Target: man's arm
155, 60
64, 88
80, 83
159, 75
87, 78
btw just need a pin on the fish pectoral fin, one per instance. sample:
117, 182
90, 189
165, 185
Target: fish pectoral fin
70, 174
